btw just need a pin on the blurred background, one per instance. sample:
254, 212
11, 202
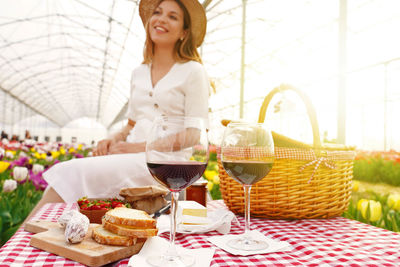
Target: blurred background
65, 67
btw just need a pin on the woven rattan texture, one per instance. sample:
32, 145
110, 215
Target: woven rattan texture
287, 193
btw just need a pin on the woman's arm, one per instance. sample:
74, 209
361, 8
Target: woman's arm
104, 146
174, 142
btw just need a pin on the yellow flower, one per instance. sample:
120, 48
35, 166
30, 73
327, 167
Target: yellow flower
37, 155
216, 179
33, 149
80, 146
393, 201
191, 158
62, 151
11, 151
375, 209
4, 166
210, 186
71, 150
209, 175
356, 186
55, 154
30, 161
43, 155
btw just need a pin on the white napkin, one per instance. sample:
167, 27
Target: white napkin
273, 245
203, 256
220, 220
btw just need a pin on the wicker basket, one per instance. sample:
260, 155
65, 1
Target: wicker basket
306, 181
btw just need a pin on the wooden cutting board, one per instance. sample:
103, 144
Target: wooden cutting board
50, 237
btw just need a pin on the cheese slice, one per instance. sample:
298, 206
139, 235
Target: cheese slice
192, 212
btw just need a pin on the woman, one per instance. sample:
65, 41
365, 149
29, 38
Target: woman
170, 81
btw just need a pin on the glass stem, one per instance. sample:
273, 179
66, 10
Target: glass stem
247, 189
171, 252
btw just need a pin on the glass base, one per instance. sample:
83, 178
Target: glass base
171, 261
246, 243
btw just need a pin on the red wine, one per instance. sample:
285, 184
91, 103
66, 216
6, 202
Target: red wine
247, 172
177, 176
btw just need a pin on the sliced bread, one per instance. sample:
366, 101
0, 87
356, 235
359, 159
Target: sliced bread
129, 231
130, 217
103, 236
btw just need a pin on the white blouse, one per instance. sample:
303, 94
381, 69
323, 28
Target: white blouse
183, 91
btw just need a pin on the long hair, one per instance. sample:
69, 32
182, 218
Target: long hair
185, 50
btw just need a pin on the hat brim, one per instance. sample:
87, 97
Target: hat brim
196, 12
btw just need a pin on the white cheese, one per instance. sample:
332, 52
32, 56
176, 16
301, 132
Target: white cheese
192, 212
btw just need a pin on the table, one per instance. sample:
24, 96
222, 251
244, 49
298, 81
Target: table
329, 242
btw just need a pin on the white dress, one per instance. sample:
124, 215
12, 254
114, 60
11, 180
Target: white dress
183, 90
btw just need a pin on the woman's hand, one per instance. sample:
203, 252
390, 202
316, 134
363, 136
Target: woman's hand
125, 147
106, 146
103, 147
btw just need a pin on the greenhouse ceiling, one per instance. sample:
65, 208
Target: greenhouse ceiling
66, 60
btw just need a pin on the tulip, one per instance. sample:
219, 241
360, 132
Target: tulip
9, 185
62, 151
356, 186
9, 154
216, 179
4, 166
55, 154
375, 209
37, 168
22, 154
210, 186
393, 201
20, 173
20, 162
209, 175
38, 181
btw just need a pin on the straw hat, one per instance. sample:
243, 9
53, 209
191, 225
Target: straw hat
196, 12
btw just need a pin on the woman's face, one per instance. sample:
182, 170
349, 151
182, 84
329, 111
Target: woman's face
166, 24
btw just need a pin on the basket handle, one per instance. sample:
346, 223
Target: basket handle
310, 109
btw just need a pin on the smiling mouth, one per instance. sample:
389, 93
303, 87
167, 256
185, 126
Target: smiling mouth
161, 29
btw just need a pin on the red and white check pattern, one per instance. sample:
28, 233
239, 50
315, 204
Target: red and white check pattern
329, 242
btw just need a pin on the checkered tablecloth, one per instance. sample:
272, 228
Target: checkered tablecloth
327, 242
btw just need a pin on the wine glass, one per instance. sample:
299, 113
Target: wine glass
176, 155
247, 154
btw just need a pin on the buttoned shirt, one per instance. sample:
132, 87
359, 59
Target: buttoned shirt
183, 91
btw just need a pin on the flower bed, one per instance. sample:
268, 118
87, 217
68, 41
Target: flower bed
211, 174
21, 181
375, 166
381, 210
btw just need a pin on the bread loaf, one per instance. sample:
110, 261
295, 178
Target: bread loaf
103, 236
130, 217
129, 231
